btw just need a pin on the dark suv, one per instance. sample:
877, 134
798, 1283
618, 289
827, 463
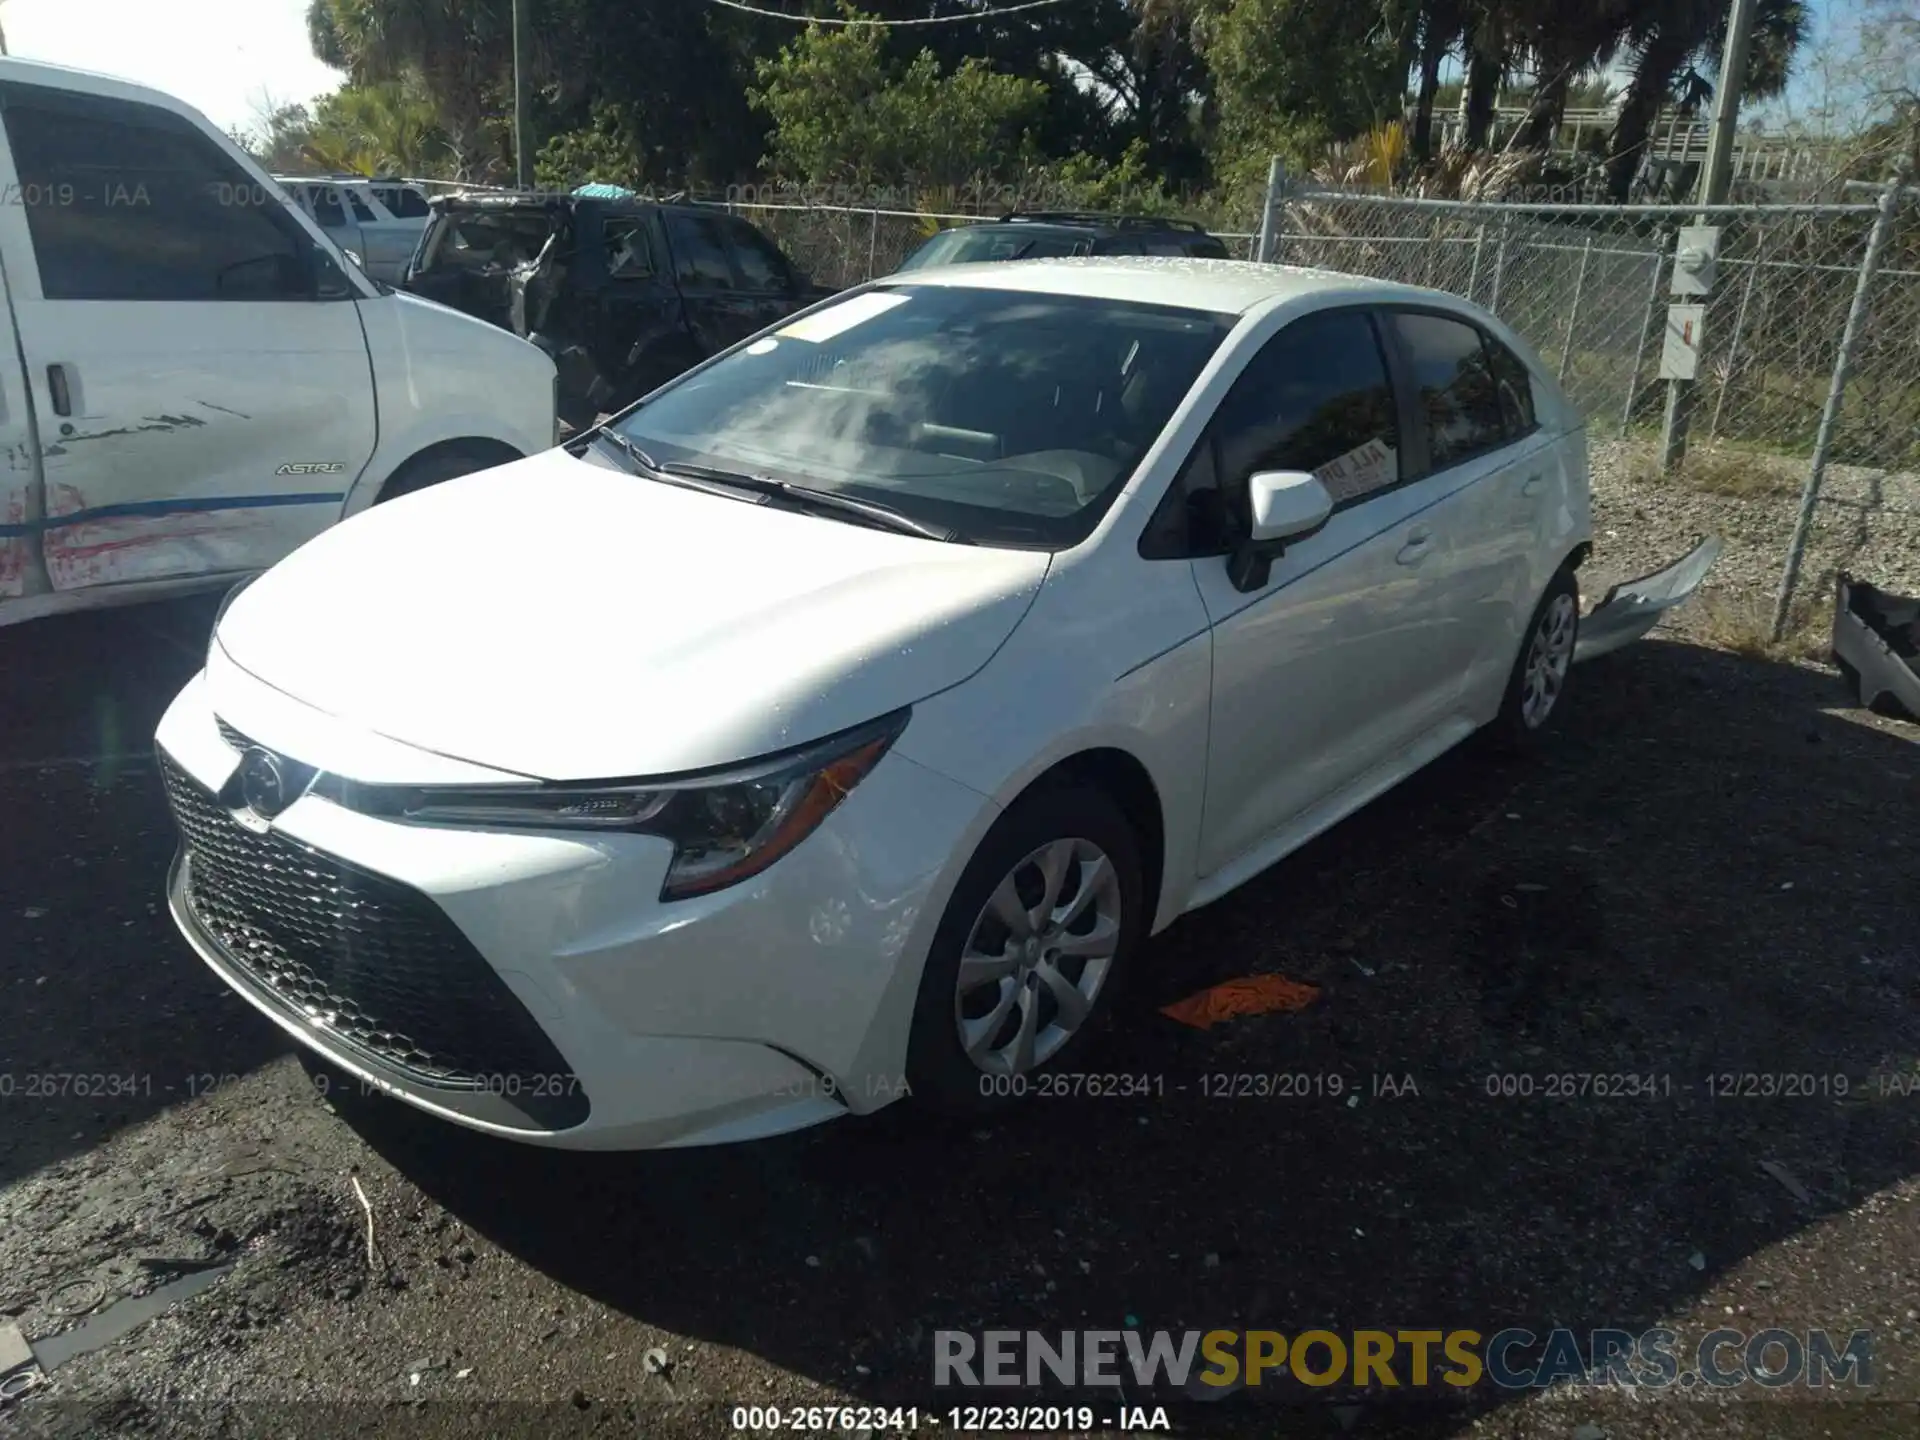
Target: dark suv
1039, 234
624, 293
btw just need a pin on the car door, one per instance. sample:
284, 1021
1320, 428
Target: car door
327, 205
1486, 460
20, 484
1319, 675
201, 408
766, 278
717, 310
636, 328
386, 242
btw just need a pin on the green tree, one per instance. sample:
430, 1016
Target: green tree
842, 112
459, 52
390, 128
1290, 76
1674, 45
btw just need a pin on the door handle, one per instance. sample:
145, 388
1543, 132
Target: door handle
1418, 543
1535, 484
57, 384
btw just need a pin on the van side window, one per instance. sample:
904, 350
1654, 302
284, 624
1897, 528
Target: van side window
140, 205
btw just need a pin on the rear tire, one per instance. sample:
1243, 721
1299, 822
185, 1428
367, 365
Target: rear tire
1536, 689
1068, 856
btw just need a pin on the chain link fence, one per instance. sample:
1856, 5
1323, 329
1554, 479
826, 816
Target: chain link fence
1805, 305
1589, 287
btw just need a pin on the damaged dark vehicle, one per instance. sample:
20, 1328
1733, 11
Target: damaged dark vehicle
623, 293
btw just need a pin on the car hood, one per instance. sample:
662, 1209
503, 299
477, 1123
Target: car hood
560, 619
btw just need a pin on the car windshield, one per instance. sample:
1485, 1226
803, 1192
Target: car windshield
973, 243
1010, 418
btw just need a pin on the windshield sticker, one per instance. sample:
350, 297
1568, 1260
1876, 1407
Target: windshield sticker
1366, 467
824, 325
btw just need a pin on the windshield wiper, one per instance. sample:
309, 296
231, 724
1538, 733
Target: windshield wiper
807, 497
644, 464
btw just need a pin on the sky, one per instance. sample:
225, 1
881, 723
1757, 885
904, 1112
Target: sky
226, 58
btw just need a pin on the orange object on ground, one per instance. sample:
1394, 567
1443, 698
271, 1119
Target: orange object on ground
1251, 995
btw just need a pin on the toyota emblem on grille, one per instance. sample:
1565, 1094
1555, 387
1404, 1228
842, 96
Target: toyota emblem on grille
262, 785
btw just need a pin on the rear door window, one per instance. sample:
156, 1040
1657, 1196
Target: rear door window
1515, 386
405, 202
1454, 387
699, 251
761, 265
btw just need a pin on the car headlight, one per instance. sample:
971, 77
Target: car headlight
726, 826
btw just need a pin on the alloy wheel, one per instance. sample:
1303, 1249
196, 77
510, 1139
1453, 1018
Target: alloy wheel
1037, 957
1549, 656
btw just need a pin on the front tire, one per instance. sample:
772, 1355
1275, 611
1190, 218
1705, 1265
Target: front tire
1030, 954
420, 474
1536, 689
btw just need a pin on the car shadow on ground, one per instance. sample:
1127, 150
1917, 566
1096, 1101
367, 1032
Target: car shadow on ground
108, 1017
1692, 886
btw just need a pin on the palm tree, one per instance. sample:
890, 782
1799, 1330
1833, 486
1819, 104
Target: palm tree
1674, 45
460, 50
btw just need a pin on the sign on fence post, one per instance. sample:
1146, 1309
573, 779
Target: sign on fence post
1695, 250
1680, 351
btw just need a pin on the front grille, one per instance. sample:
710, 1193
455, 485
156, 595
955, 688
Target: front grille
232, 736
372, 964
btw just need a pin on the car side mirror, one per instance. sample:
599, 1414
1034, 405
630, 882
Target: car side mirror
1282, 506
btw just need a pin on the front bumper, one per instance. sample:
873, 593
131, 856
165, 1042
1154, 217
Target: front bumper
532, 985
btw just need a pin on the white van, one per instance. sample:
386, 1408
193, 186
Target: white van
198, 380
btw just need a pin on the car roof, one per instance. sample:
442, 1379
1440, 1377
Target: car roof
1187, 282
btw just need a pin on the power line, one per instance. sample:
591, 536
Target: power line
888, 24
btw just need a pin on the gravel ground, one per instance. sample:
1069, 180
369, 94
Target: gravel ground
1714, 871
1867, 521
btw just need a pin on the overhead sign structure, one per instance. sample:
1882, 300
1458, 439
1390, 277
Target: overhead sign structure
1680, 354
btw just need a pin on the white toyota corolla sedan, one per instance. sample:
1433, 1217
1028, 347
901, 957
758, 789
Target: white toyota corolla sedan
841, 721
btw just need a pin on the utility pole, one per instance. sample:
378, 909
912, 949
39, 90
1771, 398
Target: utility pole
1715, 180
522, 144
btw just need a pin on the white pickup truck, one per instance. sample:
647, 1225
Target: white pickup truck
197, 381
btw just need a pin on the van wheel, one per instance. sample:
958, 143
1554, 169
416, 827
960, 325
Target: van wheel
1030, 955
419, 474
1536, 690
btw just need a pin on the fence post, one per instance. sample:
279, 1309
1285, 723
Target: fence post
1836, 390
1646, 324
1473, 275
873, 244
1269, 243
1573, 314
1739, 328
1499, 262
